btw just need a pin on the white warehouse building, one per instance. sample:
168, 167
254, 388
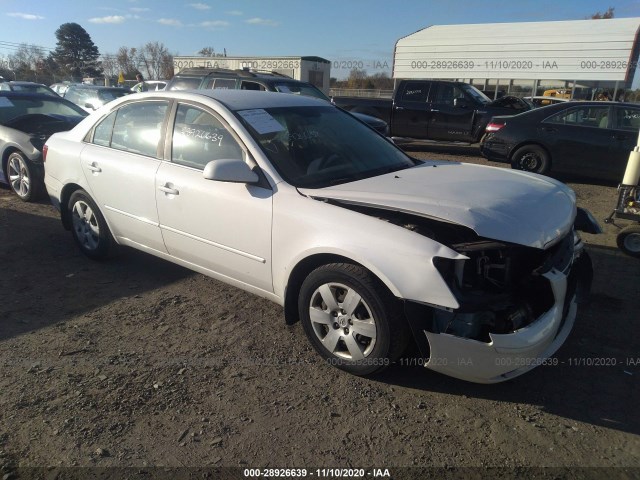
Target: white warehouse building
581, 56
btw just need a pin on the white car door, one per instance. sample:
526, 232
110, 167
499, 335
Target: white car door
120, 165
223, 227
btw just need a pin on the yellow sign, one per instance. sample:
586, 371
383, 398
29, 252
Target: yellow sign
121, 78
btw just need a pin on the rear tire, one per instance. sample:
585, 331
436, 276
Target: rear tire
89, 228
20, 174
352, 319
531, 158
628, 240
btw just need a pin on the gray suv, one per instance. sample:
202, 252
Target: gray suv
219, 78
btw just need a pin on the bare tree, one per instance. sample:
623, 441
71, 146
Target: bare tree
27, 61
357, 78
151, 58
110, 65
126, 59
603, 16
382, 81
207, 52
167, 66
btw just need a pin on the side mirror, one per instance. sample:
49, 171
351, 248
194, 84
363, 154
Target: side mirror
460, 103
89, 105
229, 170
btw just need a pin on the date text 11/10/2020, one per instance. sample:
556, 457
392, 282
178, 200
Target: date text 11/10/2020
523, 64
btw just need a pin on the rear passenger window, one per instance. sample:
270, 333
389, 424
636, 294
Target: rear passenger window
186, 83
224, 84
102, 132
199, 137
627, 118
245, 85
220, 84
588, 116
138, 127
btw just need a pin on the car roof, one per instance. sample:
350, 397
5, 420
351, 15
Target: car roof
30, 95
243, 99
595, 103
23, 82
96, 87
204, 72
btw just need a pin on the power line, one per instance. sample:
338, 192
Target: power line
16, 46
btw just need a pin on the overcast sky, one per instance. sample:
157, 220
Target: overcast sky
361, 31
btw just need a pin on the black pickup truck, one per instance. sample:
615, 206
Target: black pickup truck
435, 110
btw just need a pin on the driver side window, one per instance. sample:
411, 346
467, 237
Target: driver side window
447, 93
199, 137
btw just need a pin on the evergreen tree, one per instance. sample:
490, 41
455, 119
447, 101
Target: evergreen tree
75, 53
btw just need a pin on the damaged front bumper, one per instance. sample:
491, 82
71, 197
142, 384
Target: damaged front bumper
508, 355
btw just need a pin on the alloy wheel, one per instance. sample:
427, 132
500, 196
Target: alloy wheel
18, 174
85, 225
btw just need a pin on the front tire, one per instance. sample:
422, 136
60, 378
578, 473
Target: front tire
352, 319
89, 228
531, 158
22, 181
628, 240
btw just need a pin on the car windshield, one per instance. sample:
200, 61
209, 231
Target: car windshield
475, 93
319, 146
12, 107
300, 89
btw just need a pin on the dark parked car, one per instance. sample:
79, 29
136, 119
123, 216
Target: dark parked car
200, 78
581, 138
27, 120
27, 87
92, 97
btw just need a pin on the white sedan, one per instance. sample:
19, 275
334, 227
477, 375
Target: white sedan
299, 202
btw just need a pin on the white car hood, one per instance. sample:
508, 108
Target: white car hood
496, 203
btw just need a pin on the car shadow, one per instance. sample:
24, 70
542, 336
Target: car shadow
596, 378
62, 282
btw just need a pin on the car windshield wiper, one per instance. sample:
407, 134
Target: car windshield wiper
389, 169
338, 181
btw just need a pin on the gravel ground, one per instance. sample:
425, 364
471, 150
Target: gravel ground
137, 362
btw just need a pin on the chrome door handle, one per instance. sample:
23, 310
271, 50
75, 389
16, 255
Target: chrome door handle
398, 108
94, 168
169, 190
433, 110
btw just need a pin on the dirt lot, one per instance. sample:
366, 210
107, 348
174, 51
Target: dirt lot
137, 362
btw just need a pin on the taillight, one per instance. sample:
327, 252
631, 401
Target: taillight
45, 149
494, 127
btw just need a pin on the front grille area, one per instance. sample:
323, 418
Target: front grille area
502, 287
